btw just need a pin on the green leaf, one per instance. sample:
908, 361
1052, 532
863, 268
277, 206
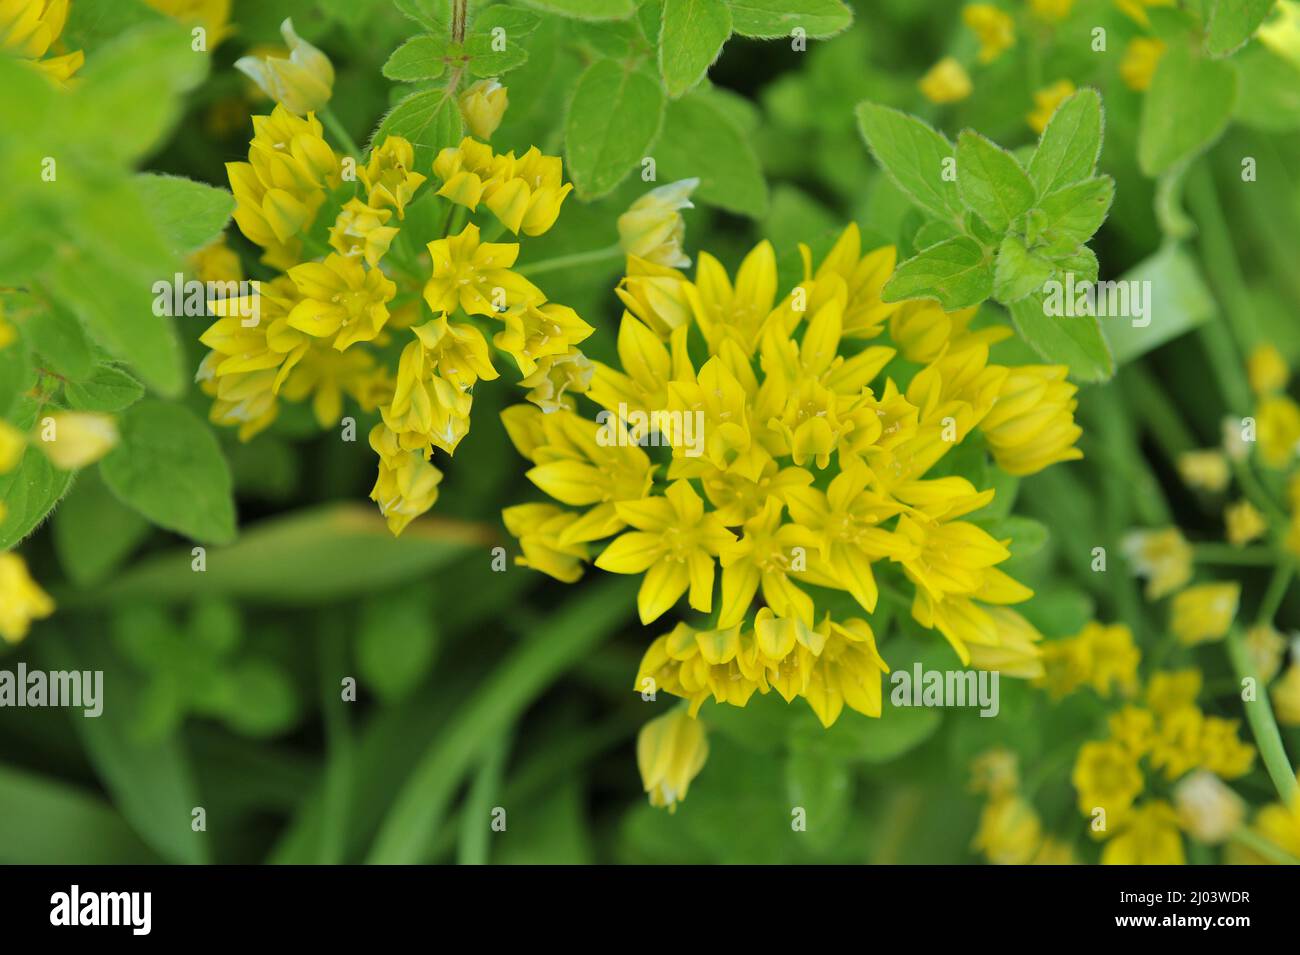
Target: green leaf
1068, 149
1071, 215
1268, 89
255, 698
691, 39
60, 343
189, 214
427, 13
587, 9
419, 58
169, 467
486, 61
1019, 271
513, 20
429, 119
396, 642
613, 118
322, 554
1180, 302
107, 388
29, 492
820, 783
768, 19
955, 272
1186, 108
1074, 341
700, 139
1232, 22
915, 157
150, 781
88, 557
991, 182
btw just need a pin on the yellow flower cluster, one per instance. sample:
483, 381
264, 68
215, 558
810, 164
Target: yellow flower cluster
1101, 657
327, 301
1168, 737
797, 466
1010, 830
30, 29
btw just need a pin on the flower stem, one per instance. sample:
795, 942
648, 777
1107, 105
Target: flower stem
1259, 713
1228, 554
1277, 588
569, 261
340, 133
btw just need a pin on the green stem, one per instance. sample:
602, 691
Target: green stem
1225, 274
1230, 554
338, 736
1277, 588
476, 818
340, 133
1259, 713
570, 261
1258, 495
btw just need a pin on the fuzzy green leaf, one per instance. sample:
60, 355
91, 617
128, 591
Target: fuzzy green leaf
955, 272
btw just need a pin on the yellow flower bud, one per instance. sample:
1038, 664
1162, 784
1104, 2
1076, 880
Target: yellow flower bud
653, 228
994, 28
1204, 612
670, 752
29, 28
1244, 523
1204, 470
1009, 831
75, 439
1267, 370
1286, 696
1163, 557
302, 84
1141, 57
945, 82
12, 445
1046, 101
1207, 809
482, 106
21, 599
1265, 647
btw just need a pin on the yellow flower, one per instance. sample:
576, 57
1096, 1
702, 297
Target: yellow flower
1171, 690
1204, 612
534, 332
1051, 9
674, 544
1010, 831
945, 82
476, 276
1103, 657
557, 378
734, 312
1133, 728
1031, 425
1279, 824
28, 28
1265, 647
482, 105
652, 228
1163, 557
13, 443
360, 231
1244, 523
655, 295
303, 83
1046, 101
1267, 370
542, 531
994, 28
1277, 422
995, 772
388, 178
1141, 57
342, 301
1106, 776
212, 15
464, 171
1207, 809
407, 485
1137, 9
763, 557
75, 439
670, 752
1204, 470
216, 262
923, 330
526, 193
1146, 836
1286, 696
1017, 652
21, 598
